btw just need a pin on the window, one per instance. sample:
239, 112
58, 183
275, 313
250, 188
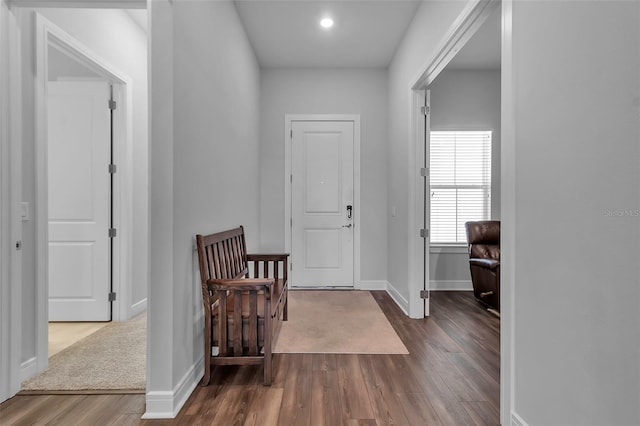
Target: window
460, 188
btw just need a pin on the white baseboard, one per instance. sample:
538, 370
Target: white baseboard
450, 285
167, 404
373, 285
398, 298
516, 420
28, 369
138, 308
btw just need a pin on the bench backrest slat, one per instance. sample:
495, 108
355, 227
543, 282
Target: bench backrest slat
222, 255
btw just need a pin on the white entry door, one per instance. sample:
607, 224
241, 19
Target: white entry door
322, 203
79, 154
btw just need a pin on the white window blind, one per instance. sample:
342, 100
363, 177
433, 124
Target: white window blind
460, 174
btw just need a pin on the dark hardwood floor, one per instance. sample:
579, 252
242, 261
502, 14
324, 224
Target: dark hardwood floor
451, 377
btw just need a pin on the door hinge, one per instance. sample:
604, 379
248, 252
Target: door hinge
424, 294
291, 133
425, 110
112, 104
424, 172
291, 266
291, 222
291, 178
112, 168
112, 232
424, 233
112, 296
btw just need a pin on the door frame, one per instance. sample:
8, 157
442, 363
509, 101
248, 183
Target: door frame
48, 34
10, 221
355, 119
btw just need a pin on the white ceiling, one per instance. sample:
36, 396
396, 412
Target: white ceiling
286, 33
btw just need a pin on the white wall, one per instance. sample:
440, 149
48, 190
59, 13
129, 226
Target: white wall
427, 30
205, 90
113, 36
327, 91
216, 116
576, 288
465, 100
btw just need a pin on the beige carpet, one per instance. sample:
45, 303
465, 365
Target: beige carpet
328, 321
112, 358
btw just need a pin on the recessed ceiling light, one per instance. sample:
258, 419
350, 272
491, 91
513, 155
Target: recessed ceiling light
326, 23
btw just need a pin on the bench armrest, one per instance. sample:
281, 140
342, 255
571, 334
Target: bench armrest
241, 284
267, 257
485, 263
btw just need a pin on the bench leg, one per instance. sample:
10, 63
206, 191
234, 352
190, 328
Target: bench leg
207, 373
285, 308
207, 351
268, 331
267, 367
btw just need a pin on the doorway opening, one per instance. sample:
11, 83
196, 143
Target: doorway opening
475, 42
440, 102
84, 222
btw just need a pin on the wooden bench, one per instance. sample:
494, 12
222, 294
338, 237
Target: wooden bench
244, 297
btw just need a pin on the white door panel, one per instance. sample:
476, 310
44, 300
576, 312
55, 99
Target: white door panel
322, 188
79, 201
426, 200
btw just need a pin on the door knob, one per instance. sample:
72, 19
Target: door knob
347, 226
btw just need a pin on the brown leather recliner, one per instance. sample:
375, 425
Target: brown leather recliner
484, 261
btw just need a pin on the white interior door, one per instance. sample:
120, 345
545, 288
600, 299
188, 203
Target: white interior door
322, 203
79, 200
426, 199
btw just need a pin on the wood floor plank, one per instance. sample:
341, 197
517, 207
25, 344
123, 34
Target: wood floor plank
50, 412
465, 390
398, 374
280, 370
296, 402
125, 420
353, 391
451, 377
444, 401
387, 408
477, 377
265, 407
326, 406
419, 410
233, 409
361, 422
324, 362
199, 403
97, 412
14, 409
483, 413
475, 330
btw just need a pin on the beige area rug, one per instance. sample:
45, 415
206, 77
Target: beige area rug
113, 358
328, 321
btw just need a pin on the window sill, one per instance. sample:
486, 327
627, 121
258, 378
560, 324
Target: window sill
448, 248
